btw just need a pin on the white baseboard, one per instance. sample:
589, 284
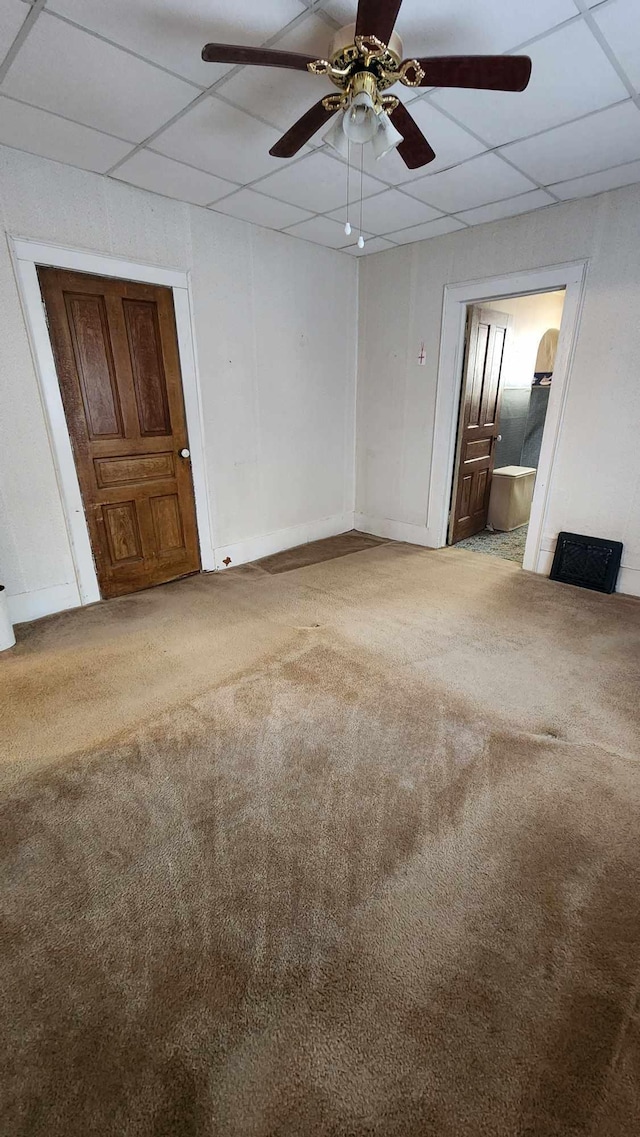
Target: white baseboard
629, 581
253, 548
43, 602
393, 530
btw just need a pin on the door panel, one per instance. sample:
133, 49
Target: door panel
143, 334
116, 354
87, 320
167, 525
479, 420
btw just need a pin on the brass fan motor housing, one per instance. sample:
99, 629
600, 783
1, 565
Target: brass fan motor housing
344, 53
351, 55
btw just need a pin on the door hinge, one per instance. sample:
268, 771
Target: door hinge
46, 317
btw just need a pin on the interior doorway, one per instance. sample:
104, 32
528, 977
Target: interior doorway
508, 363
117, 361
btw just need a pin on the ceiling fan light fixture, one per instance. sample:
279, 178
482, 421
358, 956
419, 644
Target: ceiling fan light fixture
386, 137
360, 121
336, 136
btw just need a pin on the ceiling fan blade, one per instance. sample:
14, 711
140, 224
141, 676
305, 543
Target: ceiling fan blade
484, 72
377, 18
259, 56
414, 150
301, 131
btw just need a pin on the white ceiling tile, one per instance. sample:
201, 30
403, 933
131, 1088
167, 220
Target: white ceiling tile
12, 15
436, 228
535, 199
375, 245
607, 138
451, 143
407, 94
281, 96
619, 22
250, 206
311, 36
223, 140
390, 210
173, 32
322, 231
39, 132
571, 76
162, 175
317, 183
446, 27
597, 183
74, 74
474, 183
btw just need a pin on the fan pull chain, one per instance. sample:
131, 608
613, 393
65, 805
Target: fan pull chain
347, 227
361, 238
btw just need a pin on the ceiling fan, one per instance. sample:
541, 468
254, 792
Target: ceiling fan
365, 59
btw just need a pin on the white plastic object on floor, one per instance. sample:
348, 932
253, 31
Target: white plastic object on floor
510, 499
7, 638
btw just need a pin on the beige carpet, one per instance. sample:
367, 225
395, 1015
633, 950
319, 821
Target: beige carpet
349, 851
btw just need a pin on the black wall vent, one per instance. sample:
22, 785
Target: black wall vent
588, 562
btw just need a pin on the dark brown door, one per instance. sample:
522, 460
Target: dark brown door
479, 417
116, 354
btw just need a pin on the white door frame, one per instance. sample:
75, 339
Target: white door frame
456, 298
26, 254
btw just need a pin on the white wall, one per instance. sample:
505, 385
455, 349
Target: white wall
596, 484
532, 317
275, 336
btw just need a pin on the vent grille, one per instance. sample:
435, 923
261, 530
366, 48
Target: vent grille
588, 562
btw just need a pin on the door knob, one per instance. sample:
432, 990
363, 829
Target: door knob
185, 453
498, 438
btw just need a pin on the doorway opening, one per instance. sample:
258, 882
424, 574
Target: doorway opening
508, 363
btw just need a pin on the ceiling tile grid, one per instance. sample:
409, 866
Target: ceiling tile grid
120, 88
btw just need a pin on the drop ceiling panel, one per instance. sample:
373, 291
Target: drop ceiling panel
607, 138
28, 128
597, 183
282, 96
477, 182
247, 205
525, 202
390, 208
322, 231
173, 32
619, 22
222, 140
172, 179
571, 76
79, 99
451, 143
316, 183
375, 245
12, 15
76, 75
443, 27
423, 232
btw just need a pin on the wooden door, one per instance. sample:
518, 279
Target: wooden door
116, 353
478, 423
